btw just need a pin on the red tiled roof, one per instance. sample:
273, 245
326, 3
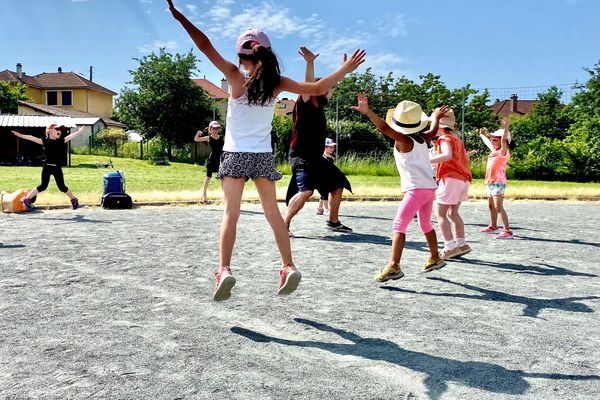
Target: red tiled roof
55, 80
9, 76
502, 108
213, 90
284, 107
68, 80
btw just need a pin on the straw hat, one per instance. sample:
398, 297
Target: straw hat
407, 118
448, 120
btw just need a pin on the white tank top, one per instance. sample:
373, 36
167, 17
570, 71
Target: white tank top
414, 168
248, 127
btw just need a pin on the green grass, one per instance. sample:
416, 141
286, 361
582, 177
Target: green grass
179, 182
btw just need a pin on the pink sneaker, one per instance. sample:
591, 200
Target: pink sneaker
289, 278
489, 229
224, 281
504, 234
319, 211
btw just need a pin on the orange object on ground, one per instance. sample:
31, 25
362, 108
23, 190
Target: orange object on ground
11, 202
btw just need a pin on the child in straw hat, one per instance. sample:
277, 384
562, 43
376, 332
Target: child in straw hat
453, 177
407, 124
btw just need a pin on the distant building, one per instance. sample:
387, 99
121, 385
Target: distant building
92, 123
218, 94
284, 107
504, 108
66, 90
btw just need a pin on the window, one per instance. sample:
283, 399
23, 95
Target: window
67, 98
51, 98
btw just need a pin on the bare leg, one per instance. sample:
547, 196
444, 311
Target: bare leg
268, 199
459, 225
441, 213
432, 244
335, 198
398, 240
499, 209
204, 199
232, 197
296, 204
34, 192
493, 213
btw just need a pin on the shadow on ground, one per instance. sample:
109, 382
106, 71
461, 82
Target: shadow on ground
439, 370
532, 306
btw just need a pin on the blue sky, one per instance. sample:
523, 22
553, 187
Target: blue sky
493, 44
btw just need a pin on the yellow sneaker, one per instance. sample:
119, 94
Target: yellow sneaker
432, 264
391, 271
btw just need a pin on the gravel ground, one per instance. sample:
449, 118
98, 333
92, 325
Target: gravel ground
117, 304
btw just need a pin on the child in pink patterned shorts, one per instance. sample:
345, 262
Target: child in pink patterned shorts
406, 125
453, 177
495, 178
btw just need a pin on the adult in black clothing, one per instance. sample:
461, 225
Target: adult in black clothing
54, 149
310, 170
216, 141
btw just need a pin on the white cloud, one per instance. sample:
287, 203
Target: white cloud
393, 26
275, 20
383, 63
149, 48
192, 8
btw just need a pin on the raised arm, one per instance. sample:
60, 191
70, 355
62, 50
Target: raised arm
435, 122
230, 70
483, 134
445, 153
73, 135
505, 136
403, 143
324, 84
28, 137
309, 73
200, 138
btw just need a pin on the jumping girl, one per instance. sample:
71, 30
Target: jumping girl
247, 150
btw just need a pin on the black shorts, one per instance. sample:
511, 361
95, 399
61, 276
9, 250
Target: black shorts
318, 174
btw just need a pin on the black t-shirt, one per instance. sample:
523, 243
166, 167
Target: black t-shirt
309, 128
54, 150
216, 147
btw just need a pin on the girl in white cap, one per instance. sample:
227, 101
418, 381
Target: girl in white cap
247, 150
495, 178
323, 207
215, 141
406, 125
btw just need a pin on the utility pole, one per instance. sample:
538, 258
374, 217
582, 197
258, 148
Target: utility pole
462, 117
337, 127
91, 73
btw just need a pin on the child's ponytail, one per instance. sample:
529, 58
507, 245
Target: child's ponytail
265, 79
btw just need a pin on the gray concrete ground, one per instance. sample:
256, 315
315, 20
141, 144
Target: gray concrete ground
117, 304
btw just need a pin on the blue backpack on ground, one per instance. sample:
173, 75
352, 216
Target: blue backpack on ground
113, 195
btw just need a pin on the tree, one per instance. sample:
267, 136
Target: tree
164, 102
10, 95
111, 137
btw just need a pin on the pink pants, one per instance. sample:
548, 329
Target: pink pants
415, 202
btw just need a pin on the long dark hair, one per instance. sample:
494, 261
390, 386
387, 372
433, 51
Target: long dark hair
266, 76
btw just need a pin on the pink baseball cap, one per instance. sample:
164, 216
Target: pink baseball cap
251, 35
214, 124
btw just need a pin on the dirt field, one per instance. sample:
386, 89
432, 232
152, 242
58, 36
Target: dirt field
117, 305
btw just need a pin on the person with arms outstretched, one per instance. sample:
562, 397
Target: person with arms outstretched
407, 126
247, 152
54, 148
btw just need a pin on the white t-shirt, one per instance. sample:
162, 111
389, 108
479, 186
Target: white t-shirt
414, 168
248, 126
